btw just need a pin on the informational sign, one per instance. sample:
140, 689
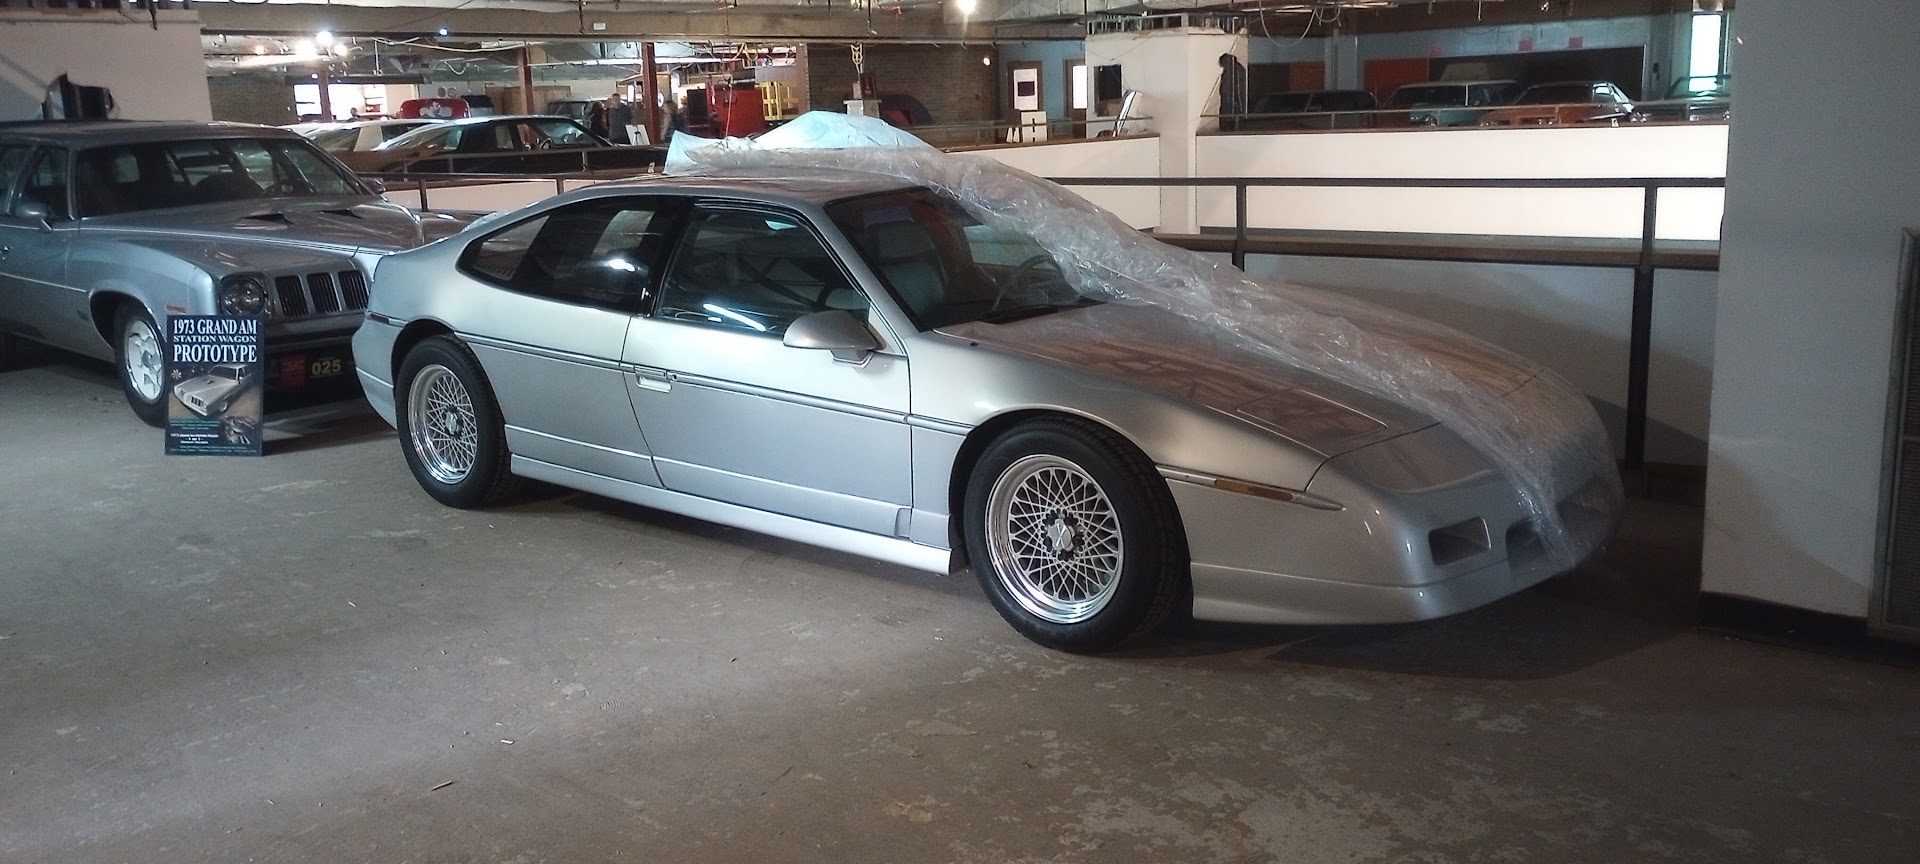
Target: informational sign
214, 385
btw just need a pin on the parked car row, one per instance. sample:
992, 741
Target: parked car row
1486, 103
488, 144
858, 361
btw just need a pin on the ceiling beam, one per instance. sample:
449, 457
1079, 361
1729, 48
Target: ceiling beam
803, 24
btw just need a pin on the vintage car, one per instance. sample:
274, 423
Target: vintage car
509, 144
211, 393
109, 227
1447, 103
1692, 99
1310, 109
1564, 103
857, 361
352, 135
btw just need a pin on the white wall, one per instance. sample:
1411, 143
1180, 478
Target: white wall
1692, 150
1817, 200
1178, 73
1102, 157
155, 74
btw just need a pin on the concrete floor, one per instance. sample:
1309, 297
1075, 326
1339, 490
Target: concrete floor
303, 658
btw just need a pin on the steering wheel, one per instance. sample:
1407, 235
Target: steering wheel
1024, 272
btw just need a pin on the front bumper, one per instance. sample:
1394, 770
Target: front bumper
1438, 532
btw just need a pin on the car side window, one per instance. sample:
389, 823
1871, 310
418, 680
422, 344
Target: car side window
13, 157
753, 270
595, 253
46, 183
559, 133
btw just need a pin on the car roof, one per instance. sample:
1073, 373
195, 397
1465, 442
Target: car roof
86, 133
1459, 83
791, 186
490, 118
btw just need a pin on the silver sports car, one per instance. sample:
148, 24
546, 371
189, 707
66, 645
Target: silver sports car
874, 365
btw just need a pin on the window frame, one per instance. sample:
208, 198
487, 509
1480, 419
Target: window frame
696, 207
675, 209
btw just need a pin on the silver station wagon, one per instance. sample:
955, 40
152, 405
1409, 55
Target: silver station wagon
857, 361
107, 228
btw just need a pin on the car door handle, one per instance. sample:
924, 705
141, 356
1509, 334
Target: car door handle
653, 379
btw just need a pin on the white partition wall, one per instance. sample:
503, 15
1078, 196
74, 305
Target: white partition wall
1691, 150
1818, 203
1100, 157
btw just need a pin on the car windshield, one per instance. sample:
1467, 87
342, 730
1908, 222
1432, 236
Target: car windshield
1699, 86
334, 140
153, 175
1408, 97
945, 267
434, 136
1556, 94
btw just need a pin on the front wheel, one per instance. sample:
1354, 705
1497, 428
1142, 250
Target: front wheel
1072, 535
450, 427
142, 360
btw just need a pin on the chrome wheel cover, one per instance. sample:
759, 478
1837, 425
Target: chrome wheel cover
141, 359
1054, 538
440, 422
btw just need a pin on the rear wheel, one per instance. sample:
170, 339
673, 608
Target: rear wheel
142, 360
450, 426
1073, 536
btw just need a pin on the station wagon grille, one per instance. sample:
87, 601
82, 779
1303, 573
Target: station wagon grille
320, 293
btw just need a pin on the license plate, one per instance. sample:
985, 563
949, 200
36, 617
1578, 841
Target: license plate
296, 370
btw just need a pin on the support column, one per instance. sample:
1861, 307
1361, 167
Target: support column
650, 91
326, 94
1177, 72
526, 81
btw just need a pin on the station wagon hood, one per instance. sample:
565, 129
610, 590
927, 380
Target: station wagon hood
1157, 352
339, 224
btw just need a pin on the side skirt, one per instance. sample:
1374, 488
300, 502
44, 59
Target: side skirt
891, 549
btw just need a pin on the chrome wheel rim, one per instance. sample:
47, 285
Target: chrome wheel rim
1054, 538
440, 420
140, 359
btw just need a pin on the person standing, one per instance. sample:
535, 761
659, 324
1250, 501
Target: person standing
597, 118
619, 118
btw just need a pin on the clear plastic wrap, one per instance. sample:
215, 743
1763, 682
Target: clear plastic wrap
1535, 426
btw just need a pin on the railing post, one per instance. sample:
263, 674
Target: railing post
1240, 226
1640, 335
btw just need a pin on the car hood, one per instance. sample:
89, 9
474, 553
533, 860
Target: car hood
347, 224
203, 385
1152, 350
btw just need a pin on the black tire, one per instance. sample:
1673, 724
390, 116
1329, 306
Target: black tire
460, 455
142, 374
1126, 543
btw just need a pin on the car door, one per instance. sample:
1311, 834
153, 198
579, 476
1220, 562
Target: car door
38, 302
564, 285
735, 415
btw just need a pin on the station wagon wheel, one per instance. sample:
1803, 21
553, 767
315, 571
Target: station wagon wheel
450, 427
141, 356
1073, 536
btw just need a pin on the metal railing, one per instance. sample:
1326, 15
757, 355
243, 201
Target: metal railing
1640, 328
1651, 112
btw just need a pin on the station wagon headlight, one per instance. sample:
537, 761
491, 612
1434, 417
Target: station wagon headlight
243, 295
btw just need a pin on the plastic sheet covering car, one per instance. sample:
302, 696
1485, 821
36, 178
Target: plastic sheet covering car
1531, 423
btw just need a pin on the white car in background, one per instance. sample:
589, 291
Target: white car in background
356, 135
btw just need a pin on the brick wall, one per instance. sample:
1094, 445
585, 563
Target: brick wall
949, 79
264, 99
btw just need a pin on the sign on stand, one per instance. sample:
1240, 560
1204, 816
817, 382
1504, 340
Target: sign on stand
215, 394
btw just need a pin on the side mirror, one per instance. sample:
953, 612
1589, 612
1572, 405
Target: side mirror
378, 186
835, 330
31, 210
